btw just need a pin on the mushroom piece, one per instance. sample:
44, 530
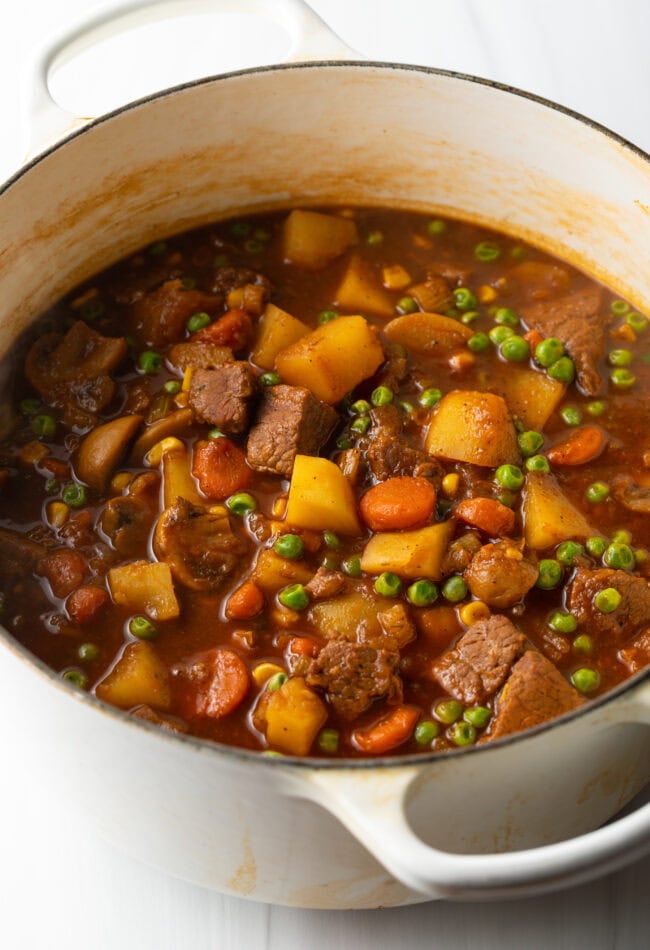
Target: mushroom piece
102, 450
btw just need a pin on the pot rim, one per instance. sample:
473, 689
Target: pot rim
247, 756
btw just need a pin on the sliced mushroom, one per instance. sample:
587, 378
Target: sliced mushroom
173, 424
632, 496
102, 450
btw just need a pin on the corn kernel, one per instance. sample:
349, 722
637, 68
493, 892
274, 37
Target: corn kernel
187, 379
153, 458
57, 513
279, 506
264, 671
450, 484
235, 298
459, 362
476, 610
33, 452
395, 277
181, 400
220, 510
119, 481
487, 294
513, 554
285, 617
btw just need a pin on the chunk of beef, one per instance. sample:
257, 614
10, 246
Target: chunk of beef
291, 422
393, 372
224, 397
535, 692
325, 583
353, 675
500, 575
460, 553
633, 610
480, 662
389, 454
576, 319
18, 555
397, 625
199, 546
636, 653
632, 496
198, 355
171, 724
160, 316
231, 278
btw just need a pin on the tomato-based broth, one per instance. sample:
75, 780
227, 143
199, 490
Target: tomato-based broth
339, 482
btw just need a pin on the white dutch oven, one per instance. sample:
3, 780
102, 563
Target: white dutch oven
512, 818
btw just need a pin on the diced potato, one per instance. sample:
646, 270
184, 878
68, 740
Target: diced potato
314, 239
549, 516
473, 427
101, 451
395, 277
361, 292
427, 332
276, 331
320, 497
272, 572
178, 481
139, 678
344, 615
294, 715
409, 553
145, 587
531, 396
333, 359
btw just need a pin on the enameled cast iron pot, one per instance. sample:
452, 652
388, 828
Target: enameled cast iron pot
512, 818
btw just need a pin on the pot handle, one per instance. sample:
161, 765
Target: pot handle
45, 121
372, 808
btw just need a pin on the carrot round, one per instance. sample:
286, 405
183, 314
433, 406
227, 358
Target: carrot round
580, 446
388, 733
221, 687
245, 602
398, 503
533, 338
85, 603
304, 646
234, 329
221, 468
487, 515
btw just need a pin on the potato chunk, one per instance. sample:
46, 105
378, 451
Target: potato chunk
320, 497
427, 332
314, 239
473, 427
361, 292
139, 678
549, 516
272, 572
277, 330
344, 616
409, 553
145, 587
531, 396
333, 359
294, 715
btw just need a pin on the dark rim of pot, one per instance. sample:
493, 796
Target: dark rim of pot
247, 756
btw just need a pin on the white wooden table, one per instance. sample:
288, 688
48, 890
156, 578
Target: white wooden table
61, 887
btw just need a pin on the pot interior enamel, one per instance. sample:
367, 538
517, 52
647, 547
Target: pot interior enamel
313, 135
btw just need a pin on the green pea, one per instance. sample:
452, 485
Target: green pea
507, 498
454, 589
596, 408
619, 307
622, 378
571, 415
640, 556
172, 387
76, 678
331, 540
275, 682
550, 574
596, 546
74, 495
241, 503
44, 426
465, 299
88, 652
215, 433
607, 600
422, 593
585, 680
30, 406
325, 316
515, 349
518, 253
462, 733
426, 731
529, 442
596, 492
563, 370
270, 379
406, 407
469, 317
506, 317
188, 283
568, 551
142, 628
620, 357
477, 716
487, 252
361, 407
583, 644
448, 711
509, 476
549, 351
361, 424
499, 335
478, 342
407, 305
436, 227
149, 362
197, 322
382, 396
289, 546
619, 556
374, 238
158, 249
537, 463
622, 536
295, 597
563, 622
221, 260
328, 741
388, 584
637, 321
240, 228
261, 234
352, 566
52, 486
430, 397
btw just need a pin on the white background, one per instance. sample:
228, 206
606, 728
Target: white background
61, 888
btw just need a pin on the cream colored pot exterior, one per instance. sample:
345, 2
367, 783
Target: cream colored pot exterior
274, 829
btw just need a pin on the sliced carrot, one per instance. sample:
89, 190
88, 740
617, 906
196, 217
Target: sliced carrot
216, 683
388, 733
85, 603
221, 468
486, 514
245, 602
65, 570
580, 446
398, 503
234, 329
304, 646
533, 338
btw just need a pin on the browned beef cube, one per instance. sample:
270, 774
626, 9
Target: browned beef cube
325, 583
480, 662
633, 610
354, 675
535, 692
224, 396
636, 653
291, 422
389, 454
